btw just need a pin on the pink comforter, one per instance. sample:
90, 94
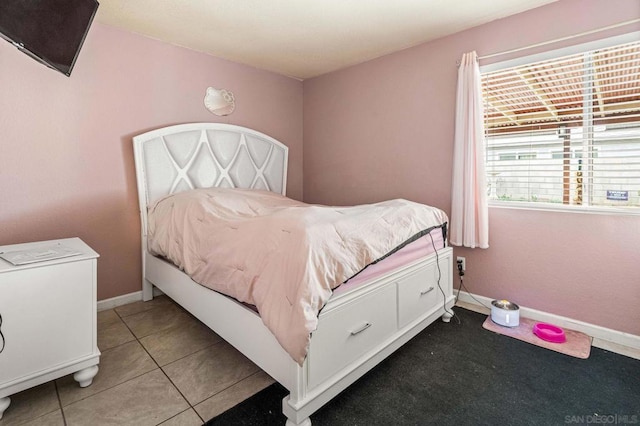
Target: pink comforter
281, 255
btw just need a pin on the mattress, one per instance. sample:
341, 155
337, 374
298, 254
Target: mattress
423, 246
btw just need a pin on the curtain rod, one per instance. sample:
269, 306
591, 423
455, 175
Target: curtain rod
544, 43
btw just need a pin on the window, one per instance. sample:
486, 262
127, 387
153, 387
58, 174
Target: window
566, 131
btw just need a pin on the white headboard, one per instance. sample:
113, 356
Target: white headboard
203, 155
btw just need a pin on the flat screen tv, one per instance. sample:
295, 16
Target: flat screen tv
50, 31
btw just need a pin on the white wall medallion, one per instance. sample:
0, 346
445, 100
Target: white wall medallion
219, 101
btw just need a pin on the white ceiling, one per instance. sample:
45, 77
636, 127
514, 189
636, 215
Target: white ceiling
303, 38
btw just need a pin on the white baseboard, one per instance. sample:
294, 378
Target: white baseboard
604, 338
125, 299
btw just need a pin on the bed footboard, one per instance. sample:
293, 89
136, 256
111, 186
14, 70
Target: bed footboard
365, 327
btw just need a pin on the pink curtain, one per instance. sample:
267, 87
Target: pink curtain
469, 211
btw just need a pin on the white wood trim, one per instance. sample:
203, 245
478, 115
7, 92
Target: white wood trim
604, 338
125, 299
114, 302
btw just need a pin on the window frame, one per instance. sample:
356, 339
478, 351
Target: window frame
549, 55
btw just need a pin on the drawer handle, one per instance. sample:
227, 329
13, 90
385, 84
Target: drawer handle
429, 290
361, 329
2, 341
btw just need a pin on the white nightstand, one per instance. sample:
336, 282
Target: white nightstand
48, 314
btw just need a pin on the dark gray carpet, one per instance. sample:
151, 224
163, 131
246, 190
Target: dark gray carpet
462, 374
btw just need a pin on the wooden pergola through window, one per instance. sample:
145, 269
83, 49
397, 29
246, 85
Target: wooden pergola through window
587, 90
555, 92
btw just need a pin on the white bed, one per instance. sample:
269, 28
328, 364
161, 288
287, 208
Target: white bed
357, 328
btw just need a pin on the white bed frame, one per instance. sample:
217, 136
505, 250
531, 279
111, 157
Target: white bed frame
357, 329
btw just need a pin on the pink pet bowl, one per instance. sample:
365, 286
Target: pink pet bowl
549, 332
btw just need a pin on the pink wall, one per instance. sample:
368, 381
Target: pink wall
66, 157
384, 129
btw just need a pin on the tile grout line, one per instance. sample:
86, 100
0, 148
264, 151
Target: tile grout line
192, 406
64, 418
229, 387
109, 388
182, 395
115, 385
173, 417
137, 339
111, 348
178, 389
61, 406
160, 367
220, 341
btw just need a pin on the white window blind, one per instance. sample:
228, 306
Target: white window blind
566, 131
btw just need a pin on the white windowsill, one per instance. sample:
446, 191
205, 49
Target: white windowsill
633, 211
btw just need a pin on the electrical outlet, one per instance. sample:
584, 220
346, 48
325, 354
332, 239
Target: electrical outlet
462, 260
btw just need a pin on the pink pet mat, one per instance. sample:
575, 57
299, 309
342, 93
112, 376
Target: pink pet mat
577, 344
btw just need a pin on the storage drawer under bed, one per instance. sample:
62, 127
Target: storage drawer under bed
418, 294
355, 328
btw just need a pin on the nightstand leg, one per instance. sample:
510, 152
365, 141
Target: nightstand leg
4, 404
85, 377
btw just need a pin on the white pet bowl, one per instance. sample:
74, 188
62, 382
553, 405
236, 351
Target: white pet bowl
505, 313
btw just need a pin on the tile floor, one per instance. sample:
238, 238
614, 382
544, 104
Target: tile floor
159, 365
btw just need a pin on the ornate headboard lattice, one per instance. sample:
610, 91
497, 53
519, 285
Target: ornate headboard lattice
203, 155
